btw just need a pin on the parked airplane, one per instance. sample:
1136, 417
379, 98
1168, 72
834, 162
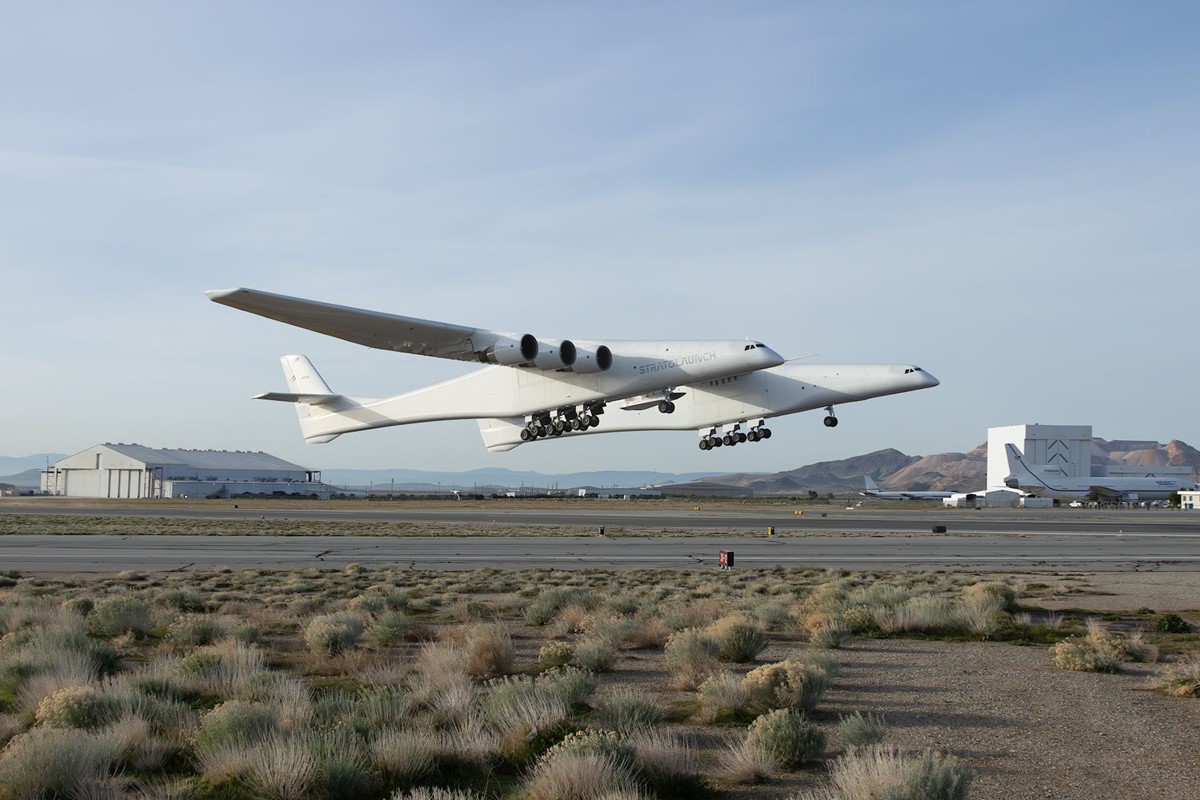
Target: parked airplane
873, 490
1051, 481
537, 388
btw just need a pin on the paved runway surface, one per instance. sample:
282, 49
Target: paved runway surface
902, 540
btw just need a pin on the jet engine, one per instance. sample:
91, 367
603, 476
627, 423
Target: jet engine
589, 359
512, 352
555, 355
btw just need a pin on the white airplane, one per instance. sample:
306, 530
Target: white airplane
535, 388
1051, 481
873, 490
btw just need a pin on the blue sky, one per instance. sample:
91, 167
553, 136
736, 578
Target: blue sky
1003, 193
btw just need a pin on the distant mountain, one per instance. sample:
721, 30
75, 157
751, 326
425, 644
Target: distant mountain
11, 465
29, 479
499, 477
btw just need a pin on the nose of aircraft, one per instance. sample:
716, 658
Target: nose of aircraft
770, 357
930, 381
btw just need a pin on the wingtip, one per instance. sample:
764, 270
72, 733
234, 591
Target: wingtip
217, 295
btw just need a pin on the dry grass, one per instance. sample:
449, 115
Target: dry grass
224, 686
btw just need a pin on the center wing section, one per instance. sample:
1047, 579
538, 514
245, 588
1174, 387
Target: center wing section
392, 332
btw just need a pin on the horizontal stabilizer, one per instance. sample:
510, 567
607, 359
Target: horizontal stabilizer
310, 399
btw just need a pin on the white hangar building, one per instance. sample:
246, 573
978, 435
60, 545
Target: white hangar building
136, 471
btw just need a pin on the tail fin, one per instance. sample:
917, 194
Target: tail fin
871, 485
312, 396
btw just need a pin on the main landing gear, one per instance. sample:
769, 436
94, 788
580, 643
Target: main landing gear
831, 420
666, 407
564, 420
733, 435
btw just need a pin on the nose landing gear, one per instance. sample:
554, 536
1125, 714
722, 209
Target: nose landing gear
830, 421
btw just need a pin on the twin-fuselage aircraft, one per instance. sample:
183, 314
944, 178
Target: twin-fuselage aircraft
537, 388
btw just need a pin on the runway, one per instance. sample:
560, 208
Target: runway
649, 519
875, 539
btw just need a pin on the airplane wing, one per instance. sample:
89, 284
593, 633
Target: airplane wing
1106, 493
375, 329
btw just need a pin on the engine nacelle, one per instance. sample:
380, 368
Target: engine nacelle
590, 359
555, 355
512, 352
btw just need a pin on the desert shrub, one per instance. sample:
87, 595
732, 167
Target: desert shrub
404, 756
78, 605
1182, 678
343, 769
333, 633
740, 763
377, 707
998, 592
1082, 655
181, 599
787, 684
786, 738
1172, 623
75, 707
723, 698
235, 721
858, 619
739, 639
596, 654
773, 616
195, 630
574, 686
668, 765
119, 615
369, 603
224, 668
555, 654
54, 762
519, 710
389, 628
435, 793
692, 656
547, 604
603, 743
830, 636
859, 730
1111, 644
579, 776
282, 768
627, 710
488, 651
886, 772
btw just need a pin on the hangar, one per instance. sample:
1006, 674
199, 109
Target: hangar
137, 471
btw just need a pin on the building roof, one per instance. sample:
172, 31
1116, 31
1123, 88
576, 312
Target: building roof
206, 459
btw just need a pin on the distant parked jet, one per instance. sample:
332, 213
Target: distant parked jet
873, 490
550, 387
1050, 481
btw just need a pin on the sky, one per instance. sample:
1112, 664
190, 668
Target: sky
1004, 193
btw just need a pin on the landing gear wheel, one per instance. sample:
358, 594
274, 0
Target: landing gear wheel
727, 439
752, 436
831, 422
741, 437
704, 445
765, 433
526, 435
593, 422
670, 407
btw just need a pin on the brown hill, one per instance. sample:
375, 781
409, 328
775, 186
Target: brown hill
940, 472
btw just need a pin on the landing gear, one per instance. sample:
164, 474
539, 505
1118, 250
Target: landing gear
565, 420
830, 421
733, 435
666, 407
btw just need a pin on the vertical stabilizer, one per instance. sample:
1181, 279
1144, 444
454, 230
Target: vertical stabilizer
872, 487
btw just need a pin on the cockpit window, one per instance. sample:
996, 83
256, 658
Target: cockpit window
753, 346
913, 369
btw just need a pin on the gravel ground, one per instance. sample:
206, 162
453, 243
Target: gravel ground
1027, 729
